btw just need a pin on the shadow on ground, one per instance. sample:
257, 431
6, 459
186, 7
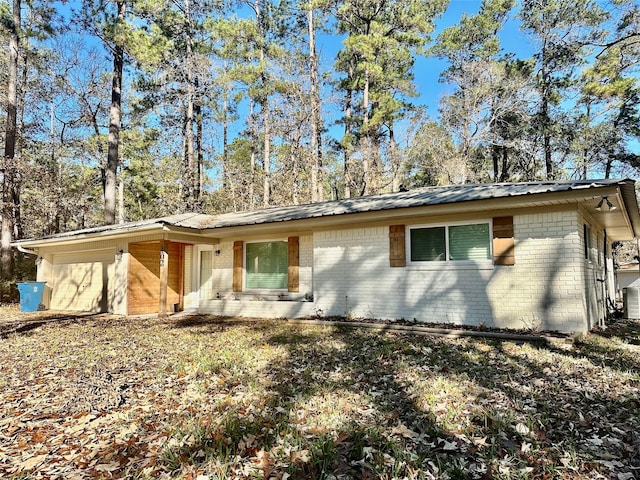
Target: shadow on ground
433, 407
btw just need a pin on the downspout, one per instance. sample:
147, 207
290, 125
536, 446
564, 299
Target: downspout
26, 250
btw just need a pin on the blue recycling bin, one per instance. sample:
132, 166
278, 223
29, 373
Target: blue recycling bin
30, 295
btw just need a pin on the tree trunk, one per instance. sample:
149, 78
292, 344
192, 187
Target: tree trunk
9, 161
199, 149
546, 118
228, 183
17, 180
295, 167
120, 199
252, 159
366, 150
263, 101
495, 156
504, 176
115, 113
266, 193
225, 141
317, 191
189, 156
395, 160
53, 225
199, 155
266, 149
345, 147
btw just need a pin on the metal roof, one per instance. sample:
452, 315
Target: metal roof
186, 220
420, 197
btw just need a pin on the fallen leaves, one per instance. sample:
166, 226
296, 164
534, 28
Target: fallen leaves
206, 398
31, 463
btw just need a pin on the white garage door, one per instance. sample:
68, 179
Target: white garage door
81, 281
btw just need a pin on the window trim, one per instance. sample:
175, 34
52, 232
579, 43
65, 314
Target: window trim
264, 291
450, 264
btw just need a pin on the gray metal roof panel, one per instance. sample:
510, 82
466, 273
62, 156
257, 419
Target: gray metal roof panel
186, 220
414, 198
419, 197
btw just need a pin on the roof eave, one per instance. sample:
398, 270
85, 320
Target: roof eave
71, 238
628, 196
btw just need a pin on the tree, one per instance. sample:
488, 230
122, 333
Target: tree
115, 120
234, 77
489, 106
611, 116
377, 57
9, 167
609, 95
432, 158
126, 27
71, 97
562, 30
317, 190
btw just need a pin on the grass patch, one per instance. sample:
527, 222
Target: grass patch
129, 398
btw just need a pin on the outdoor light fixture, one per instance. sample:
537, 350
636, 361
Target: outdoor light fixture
609, 205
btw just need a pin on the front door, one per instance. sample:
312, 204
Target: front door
205, 280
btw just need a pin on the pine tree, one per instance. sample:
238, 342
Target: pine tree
128, 30
377, 57
562, 29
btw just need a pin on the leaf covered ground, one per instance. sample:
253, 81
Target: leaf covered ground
210, 398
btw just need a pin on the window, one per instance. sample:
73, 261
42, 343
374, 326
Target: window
428, 244
467, 242
267, 265
586, 233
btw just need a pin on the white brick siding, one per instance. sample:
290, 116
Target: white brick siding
347, 271
544, 289
247, 304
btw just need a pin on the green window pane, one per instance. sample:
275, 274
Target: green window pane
428, 244
267, 265
469, 242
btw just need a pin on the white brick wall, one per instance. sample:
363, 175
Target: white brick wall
253, 305
544, 289
355, 279
547, 288
592, 270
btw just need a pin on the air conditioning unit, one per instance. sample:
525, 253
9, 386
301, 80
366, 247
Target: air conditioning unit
631, 300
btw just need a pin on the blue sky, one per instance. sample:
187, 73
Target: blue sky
427, 69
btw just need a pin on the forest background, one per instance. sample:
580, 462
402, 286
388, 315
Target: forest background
119, 110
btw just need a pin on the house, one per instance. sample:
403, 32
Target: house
511, 255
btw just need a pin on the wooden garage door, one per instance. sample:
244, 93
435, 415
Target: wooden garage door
144, 277
81, 281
